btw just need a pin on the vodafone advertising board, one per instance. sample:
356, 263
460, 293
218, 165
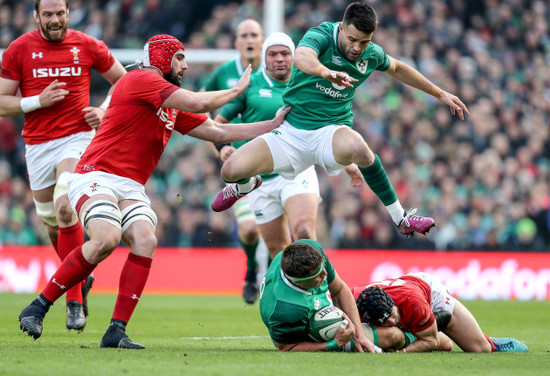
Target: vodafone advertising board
467, 275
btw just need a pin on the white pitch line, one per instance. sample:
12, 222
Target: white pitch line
241, 337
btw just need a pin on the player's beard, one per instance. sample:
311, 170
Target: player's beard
54, 37
172, 78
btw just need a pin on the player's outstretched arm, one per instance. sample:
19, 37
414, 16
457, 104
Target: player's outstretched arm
307, 60
410, 76
206, 101
343, 298
12, 105
224, 133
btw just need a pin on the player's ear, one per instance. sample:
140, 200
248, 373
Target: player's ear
35, 15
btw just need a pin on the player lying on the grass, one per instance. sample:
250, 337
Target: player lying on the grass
410, 302
107, 190
296, 285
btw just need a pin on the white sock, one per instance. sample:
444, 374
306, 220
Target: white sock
396, 211
246, 187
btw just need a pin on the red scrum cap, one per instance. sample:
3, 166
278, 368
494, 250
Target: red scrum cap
159, 51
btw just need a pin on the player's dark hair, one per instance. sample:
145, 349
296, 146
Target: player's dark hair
362, 16
374, 305
300, 259
37, 4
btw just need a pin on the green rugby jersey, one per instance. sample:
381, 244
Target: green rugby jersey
286, 309
317, 102
225, 77
260, 101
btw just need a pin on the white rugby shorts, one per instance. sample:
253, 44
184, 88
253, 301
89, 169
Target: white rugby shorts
43, 159
441, 300
98, 182
294, 150
268, 200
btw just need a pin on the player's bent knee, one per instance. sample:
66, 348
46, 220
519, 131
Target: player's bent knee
230, 171
65, 214
138, 212
304, 231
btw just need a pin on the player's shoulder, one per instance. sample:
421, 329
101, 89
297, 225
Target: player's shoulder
376, 49
77, 36
224, 68
29, 38
257, 78
142, 76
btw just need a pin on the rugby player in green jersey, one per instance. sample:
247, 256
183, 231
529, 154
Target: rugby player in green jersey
330, 62
248, 41
300, 281
279, 202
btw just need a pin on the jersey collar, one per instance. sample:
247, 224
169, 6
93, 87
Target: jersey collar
239, 65
267, 78
294, 287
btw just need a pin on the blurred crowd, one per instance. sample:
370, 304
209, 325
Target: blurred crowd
485, 180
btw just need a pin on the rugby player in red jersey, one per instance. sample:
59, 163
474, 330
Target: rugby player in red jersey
51, 67
419, 303
107, 190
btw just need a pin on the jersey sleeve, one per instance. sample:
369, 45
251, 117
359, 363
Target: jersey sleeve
382, 59
11, 69
288, 323
331, 274
187, 121
316, 38
147, 88
103, 60
237, 106
418, 315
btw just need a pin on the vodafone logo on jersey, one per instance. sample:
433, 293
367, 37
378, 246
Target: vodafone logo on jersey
57, 72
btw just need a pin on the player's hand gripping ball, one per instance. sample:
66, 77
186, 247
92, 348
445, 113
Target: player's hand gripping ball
324, 323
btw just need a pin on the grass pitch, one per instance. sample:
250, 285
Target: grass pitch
221, 335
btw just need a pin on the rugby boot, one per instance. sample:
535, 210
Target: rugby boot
227, 197
414, 223
31, 318
250, 288
509, 345
75, 316
85, 291
115, 337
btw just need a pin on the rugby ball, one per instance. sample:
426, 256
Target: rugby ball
324, 323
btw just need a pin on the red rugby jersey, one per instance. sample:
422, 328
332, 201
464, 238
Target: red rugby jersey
135, 129
412, 296
36, 62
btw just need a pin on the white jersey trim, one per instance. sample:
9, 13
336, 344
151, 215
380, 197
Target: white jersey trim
267, 78
294, 287
239, 65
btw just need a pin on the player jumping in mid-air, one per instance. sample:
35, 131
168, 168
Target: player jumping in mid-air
330, 62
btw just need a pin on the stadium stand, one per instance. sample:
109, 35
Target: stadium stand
485, 180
